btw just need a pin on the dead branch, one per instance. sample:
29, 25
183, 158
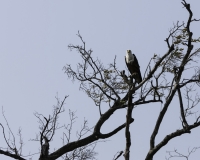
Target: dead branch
175, 153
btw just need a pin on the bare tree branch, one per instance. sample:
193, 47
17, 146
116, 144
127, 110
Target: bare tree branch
175, 153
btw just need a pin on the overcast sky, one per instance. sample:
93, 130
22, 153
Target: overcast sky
34, 36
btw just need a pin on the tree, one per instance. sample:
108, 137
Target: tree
164, 78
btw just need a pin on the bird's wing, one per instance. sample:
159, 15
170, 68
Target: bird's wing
136, 67
136, 64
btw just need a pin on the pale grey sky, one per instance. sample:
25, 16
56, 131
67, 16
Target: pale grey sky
34, 36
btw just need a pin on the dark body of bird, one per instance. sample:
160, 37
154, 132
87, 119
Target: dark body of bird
133, 67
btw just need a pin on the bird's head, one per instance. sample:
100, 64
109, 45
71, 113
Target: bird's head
128, 51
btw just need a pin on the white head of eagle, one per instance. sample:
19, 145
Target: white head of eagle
133, 66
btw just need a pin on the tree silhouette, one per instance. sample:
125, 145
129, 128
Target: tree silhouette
163, 79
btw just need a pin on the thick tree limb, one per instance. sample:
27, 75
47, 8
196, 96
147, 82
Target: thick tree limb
182, 108
169, 137
103, 136
160, 118
6, 153
128, 121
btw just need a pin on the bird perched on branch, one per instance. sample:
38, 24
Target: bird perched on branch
133, 66
45, 148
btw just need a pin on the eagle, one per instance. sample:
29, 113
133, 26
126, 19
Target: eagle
45, 148
133, 66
